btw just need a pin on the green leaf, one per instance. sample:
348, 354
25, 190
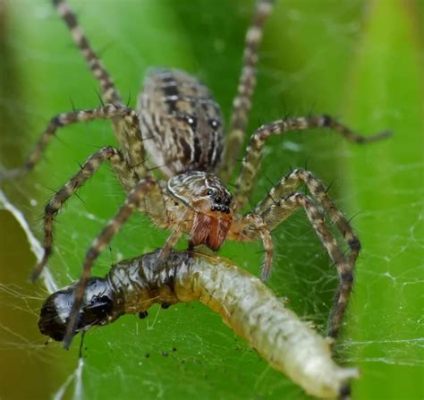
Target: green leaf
360, 61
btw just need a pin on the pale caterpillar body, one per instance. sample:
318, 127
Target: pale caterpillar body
246, 305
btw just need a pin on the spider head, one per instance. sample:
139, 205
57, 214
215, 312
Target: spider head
201, 191
210, 201
97, 309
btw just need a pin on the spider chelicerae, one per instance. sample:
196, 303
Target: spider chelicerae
178, 124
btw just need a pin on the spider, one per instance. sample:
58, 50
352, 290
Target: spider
179, 125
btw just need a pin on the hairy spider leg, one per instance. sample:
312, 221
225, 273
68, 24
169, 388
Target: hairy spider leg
278, 205
108, 111
127, 176
170, 243
251, 161
283, 202
247, 81
289, 184
88, 169
127, 130
252, 227
110, 93
133, 201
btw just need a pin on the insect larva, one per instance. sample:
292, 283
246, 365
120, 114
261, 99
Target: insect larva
244, 302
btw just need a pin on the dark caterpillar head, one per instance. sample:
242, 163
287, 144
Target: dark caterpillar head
97, 309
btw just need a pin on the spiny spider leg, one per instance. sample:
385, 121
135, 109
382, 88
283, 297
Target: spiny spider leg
108, 111
287, 206
134, 200
251, 160
127, 130
246, 86
169, 245
281, 202
288, 185
109, 92
124, 173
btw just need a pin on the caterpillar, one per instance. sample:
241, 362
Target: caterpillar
246, 305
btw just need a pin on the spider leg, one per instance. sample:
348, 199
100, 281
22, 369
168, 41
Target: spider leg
289, 184
252, 227
133, 201
127, 129
124, 173
280, 203
246, 86
265, 235
108, 111
169, 245
251, 160
109, 92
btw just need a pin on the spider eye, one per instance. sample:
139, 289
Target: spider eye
214, 123
209, 192
191, 121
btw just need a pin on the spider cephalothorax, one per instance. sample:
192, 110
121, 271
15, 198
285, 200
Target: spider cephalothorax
210, 202
179, 124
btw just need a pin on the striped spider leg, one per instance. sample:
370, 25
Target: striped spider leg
242, 102
128, 162
283, 200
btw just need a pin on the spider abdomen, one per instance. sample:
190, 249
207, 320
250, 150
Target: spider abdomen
180, 121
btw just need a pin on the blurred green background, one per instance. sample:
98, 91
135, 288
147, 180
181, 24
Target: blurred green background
361, 61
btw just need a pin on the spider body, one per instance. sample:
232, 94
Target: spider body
179, 124
184, 127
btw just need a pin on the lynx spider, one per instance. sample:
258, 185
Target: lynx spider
180, 125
